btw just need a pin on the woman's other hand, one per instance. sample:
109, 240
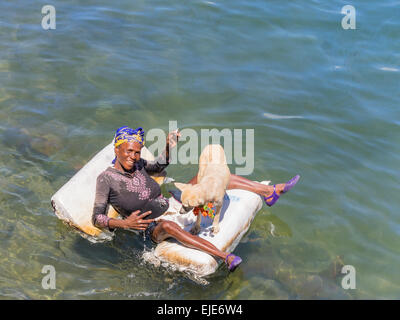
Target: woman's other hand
135, 221
172, 139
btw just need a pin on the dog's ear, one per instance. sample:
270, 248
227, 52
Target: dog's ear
181, 186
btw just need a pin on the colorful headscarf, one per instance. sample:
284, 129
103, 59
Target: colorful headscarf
126, 134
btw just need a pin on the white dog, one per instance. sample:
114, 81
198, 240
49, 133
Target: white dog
212, 180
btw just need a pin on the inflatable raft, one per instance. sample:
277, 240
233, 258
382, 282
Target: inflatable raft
73, 203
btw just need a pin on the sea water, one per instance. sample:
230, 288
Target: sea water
323, 102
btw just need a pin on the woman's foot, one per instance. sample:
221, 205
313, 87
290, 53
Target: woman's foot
273, 193
232, 261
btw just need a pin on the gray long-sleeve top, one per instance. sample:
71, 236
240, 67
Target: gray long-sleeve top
128, 192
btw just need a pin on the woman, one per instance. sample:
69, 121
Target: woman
128, 187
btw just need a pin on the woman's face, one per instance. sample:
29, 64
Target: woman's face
128, 154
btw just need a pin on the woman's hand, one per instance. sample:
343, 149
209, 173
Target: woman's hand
134, 221
172, 139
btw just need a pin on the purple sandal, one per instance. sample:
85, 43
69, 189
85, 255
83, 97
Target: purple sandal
235, 262
288, 185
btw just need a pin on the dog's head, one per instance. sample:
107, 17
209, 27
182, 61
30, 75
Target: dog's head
192, 196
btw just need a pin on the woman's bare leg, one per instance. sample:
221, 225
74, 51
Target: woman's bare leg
238, 182
167, 229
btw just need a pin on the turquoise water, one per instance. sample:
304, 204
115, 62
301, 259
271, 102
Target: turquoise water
323, 103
